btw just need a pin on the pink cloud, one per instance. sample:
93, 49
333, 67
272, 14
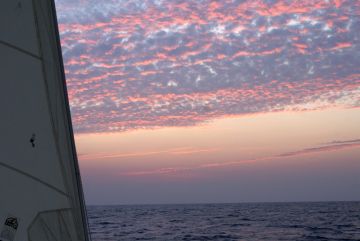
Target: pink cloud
331, 146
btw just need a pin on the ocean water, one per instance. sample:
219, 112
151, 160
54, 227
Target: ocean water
245, 221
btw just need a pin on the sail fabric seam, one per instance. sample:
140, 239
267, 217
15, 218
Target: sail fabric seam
58, 211
62, 221
34, 178
20, 49
45, 226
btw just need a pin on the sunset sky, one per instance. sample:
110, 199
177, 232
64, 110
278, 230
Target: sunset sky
178, 101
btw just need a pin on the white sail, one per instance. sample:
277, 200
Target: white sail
41, 196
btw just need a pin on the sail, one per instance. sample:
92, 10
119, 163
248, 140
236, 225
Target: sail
41, 197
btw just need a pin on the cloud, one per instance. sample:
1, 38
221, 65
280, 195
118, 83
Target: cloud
174, 151
331, 146
354, 141
162, 171
170, 171
147, 64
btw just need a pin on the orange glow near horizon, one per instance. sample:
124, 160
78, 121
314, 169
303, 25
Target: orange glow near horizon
221, 143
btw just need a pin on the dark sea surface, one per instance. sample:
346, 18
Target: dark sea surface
245, 221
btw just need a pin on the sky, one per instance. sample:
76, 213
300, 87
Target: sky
203, 101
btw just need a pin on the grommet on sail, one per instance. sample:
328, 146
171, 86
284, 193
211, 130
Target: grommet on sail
41, 197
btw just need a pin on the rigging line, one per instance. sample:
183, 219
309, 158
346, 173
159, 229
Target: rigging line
20, 49
34, 178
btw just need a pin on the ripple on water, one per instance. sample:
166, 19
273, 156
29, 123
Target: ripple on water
228, 222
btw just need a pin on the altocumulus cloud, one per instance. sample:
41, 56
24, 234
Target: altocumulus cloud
151, 63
